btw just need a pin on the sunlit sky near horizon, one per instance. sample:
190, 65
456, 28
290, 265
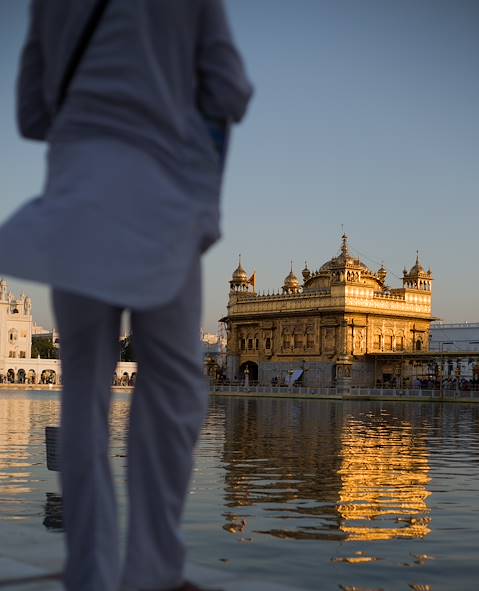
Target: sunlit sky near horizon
366, 115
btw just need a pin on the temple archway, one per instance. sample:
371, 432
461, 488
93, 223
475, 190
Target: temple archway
48, 376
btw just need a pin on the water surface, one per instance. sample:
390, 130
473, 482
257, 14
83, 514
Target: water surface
320, 494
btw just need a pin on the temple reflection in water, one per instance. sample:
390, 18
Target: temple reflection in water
294, 469
322, 474
384, 474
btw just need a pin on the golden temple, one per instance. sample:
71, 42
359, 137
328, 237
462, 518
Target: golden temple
328, 327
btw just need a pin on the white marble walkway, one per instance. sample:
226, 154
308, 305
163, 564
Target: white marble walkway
28, 558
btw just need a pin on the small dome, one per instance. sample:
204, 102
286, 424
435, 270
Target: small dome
239, 274
382, 273
417, 267
291, 282
306, 272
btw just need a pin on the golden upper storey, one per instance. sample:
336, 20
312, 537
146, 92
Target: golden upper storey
342, 282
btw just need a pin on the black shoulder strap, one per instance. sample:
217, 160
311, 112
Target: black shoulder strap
79, 50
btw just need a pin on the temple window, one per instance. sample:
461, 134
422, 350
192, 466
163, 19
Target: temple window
22, 354
418, 345
243, 344
250, 344
256, 344
268, 343
388, 342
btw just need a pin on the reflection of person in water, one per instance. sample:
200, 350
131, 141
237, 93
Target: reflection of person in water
53, 512
130, 204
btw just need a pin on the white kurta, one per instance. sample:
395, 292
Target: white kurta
133, 180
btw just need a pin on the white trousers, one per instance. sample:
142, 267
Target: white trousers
166, 415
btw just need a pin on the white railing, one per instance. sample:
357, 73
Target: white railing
348, 392
320, 391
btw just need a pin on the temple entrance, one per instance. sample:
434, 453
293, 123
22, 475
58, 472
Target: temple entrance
249, 372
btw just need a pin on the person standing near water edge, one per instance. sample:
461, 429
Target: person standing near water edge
130, 203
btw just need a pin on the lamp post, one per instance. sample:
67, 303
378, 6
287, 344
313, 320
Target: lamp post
441, 348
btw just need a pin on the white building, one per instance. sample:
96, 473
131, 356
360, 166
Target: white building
16, 331
15, 324
461, 337
16, 328
456, 338
213, 343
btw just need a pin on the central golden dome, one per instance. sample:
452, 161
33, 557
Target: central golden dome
344, 259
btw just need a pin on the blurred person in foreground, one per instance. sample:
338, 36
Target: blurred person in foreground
130, 203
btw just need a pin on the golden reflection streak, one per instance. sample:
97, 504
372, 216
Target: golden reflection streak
384, 477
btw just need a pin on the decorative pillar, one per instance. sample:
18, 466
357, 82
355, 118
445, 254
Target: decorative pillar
343, 337
344, 367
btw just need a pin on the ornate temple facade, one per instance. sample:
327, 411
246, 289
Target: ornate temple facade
327, 327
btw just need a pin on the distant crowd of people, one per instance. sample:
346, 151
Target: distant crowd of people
428, 383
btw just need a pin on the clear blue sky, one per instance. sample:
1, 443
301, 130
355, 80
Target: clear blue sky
366, 114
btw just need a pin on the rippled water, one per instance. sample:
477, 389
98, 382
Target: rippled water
321, 494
